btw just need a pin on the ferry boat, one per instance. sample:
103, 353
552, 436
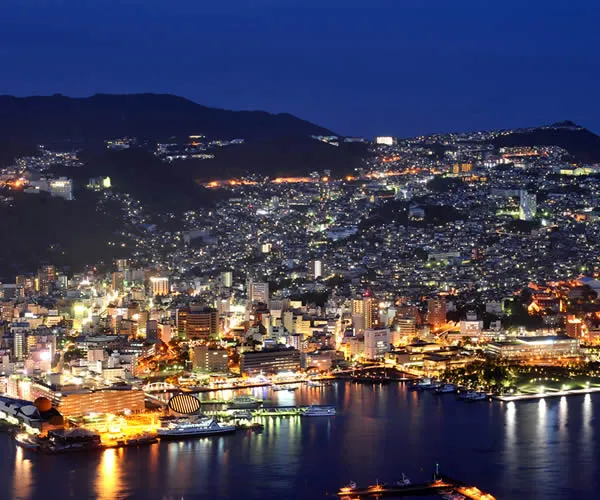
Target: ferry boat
182, 428
244, 402
319, 411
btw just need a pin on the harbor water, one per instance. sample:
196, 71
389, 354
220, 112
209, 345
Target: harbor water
526, 450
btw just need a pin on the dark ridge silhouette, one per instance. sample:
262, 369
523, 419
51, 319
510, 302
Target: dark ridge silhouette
583, 145
150, 116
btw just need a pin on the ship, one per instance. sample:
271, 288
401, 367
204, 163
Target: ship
473, 396
27, 441
285, 387
182, 428
244, 403
66, 441
319, 411
446, 389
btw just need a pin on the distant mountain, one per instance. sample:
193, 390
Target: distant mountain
153, 116
582, 144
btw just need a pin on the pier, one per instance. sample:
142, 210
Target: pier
440, 485
546, 394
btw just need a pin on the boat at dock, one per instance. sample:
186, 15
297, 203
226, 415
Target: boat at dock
446, 389
241, 414
423, 384
182, 428
473, 396
315, 383
139, 440
246, 402
72, 440
27, 441
319, 411
284, 387
441, 485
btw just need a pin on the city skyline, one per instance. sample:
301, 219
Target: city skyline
381, 69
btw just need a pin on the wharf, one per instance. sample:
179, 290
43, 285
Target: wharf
546, 394
263, 411
441, 485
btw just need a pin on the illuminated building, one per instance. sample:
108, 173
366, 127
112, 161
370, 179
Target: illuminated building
227, 279
321, 360
61, 187
122, 265
98, 183
209, 359
258, 292
377, 342
527, 205
118, 281
574, 328
165, 332
269, 361
436, 311
316, 269
47, 278
197, 323
368, 308
526, 348
160, 286
74, 401
471, 326
385, 140
20, 343
459, 168
38, 417
404, 330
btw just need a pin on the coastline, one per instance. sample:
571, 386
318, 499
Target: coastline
544, 395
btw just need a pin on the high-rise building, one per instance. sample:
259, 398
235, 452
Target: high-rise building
436, 311
316, 269
118, 281
46, 278
20, 344
210, 359
227, 279
259, 292
368, 307
197, 323
377, 342
159, 285
122, 265
574, 327
527, 205
404, 331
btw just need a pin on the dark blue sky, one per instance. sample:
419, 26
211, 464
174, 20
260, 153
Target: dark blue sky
366, 67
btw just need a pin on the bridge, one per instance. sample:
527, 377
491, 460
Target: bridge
159, 387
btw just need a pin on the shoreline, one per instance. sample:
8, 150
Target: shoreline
544, 395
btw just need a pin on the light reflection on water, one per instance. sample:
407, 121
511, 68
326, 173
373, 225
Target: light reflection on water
525, 450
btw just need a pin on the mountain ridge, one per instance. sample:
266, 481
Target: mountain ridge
103, 116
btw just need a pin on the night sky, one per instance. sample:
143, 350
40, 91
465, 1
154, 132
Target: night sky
369, 67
